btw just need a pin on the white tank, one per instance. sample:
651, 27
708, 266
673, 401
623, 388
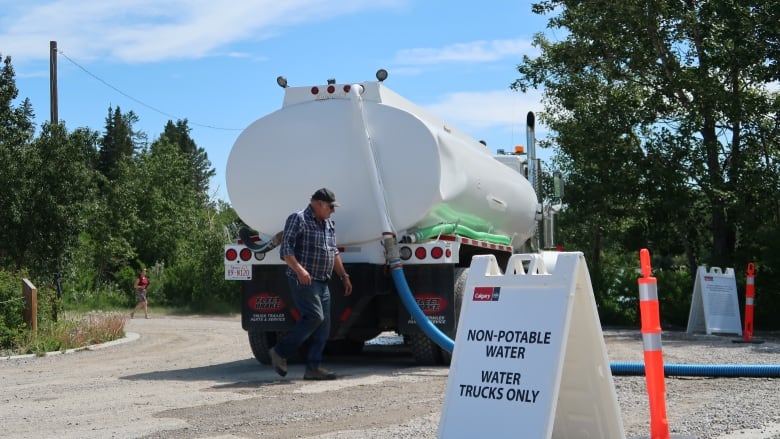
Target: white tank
392, 166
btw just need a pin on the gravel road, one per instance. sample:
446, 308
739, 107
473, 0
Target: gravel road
195, 377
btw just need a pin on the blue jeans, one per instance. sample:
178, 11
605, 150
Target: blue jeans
313, 303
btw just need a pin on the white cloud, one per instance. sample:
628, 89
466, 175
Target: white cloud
153, 30
480, 110
473, 52
498, 116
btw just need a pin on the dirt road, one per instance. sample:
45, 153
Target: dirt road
195, 377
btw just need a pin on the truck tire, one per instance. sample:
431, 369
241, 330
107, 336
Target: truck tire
423, 349
261, 342
461, 275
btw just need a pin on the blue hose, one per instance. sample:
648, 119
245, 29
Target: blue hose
702, 370
618, 368
411, 305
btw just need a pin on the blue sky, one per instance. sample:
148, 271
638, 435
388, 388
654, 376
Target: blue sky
215, 63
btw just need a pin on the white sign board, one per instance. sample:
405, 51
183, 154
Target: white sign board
715, 307
529, 358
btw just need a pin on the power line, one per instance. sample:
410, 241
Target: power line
156, 110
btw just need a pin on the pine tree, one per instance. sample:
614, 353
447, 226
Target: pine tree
119, 142
197, 158
16, 133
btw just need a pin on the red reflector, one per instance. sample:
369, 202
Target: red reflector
347, 88
246, 254
420, 252
437, 252
331, 89
231, 254
448, 253
315, 90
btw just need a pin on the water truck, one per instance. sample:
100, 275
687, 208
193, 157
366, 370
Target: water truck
414, 192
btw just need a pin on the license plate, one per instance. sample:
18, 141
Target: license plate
238, 272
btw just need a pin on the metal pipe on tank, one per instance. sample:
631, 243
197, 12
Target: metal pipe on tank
530, 137
549, 229
534, 175
377, 187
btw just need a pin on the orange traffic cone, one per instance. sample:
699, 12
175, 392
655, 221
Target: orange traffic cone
654, 360
747, 331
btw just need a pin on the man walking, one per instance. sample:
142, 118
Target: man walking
309, 248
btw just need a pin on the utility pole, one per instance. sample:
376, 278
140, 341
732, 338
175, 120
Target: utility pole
53, 81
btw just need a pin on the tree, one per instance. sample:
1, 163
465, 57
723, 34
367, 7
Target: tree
667, 127
176, 230
16, 133
119, 142
16, 122
166, 203
62, 186
96, 207
198, 277
197, 158
48, 180
682, 88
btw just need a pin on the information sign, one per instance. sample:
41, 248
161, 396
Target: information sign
529, 358
715, 307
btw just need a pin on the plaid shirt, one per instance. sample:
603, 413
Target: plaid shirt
313, 243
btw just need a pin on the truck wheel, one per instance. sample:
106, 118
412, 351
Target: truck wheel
461, 276
261, 342
424, 350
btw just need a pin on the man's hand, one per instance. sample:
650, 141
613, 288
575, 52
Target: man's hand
304, 278
347, 286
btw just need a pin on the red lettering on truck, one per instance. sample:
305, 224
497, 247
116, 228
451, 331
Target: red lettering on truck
431, 303
266, 303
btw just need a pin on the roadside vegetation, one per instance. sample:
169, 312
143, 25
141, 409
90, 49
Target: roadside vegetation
82, 211
76, 320
71, 331
664, 119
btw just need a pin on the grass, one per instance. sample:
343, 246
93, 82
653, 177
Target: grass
71, 331
79, 325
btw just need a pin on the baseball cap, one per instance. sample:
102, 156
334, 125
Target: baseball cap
325, 195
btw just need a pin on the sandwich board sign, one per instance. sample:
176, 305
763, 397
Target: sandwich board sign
529, 358
715, 307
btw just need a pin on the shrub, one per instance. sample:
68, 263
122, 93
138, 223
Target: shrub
11, 307
72, 331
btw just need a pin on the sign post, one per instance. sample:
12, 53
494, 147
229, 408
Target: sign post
529, 357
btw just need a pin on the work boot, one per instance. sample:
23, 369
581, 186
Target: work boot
319, 375
279, 363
